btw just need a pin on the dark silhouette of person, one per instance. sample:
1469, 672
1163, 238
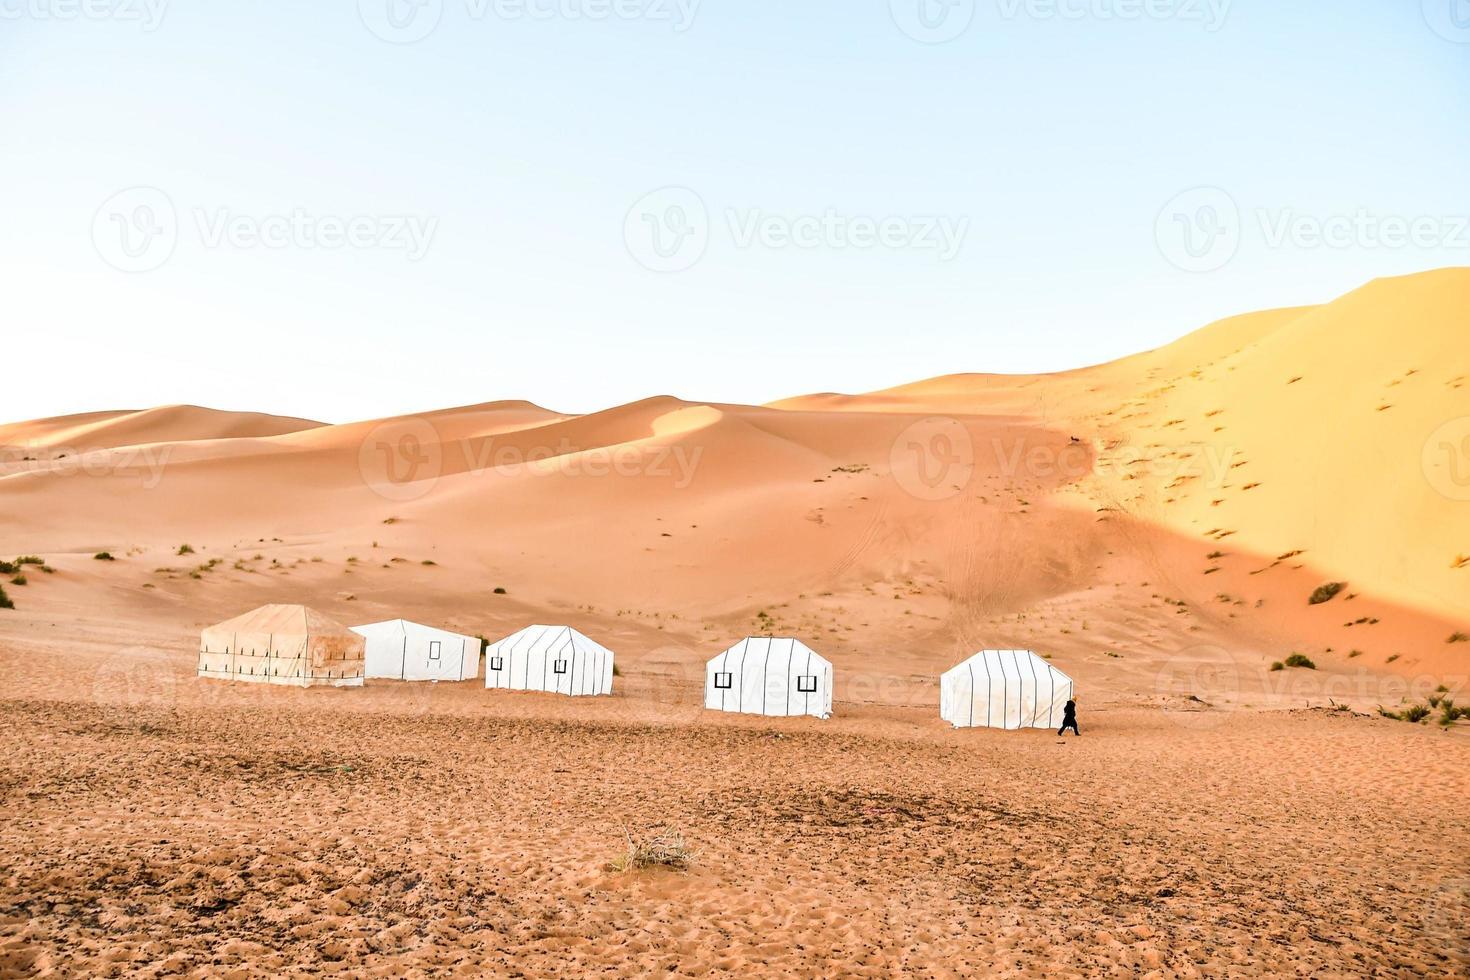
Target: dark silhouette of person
1069, 719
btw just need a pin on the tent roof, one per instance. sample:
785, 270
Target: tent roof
540, 634
277, 618
761, 646
403, 627
994, 659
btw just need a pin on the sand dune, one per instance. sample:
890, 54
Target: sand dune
1155, 525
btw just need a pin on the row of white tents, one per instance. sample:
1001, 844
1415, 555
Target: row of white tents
762, 675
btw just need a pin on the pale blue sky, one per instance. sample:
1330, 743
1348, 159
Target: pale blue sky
1055, 135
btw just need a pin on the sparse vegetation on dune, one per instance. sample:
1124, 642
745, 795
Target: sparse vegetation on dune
185, 549
1323, 593
1300, 660
5, 602
103, 556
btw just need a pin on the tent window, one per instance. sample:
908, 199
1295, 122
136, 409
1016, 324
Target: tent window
433, 649
724, 680
497, 663
806, 683
558, 666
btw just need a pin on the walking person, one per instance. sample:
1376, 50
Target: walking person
1069, 718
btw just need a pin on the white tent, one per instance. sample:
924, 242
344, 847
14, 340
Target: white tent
1004, 689
407, 651
549, 658
282, 644
763, 675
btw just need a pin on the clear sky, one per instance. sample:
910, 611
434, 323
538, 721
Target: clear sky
342, 209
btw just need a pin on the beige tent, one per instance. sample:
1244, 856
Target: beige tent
282, 645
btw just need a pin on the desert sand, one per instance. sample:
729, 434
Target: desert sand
1154, 525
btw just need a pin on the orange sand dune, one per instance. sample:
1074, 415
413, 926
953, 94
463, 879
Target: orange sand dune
1154, 526
170, 423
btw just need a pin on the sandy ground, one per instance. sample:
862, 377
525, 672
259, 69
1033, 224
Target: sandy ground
154, 824
1153, 526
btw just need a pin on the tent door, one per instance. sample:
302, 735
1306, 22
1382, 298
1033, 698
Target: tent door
434, 651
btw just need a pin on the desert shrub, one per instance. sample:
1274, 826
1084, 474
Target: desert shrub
1415, 713
500, 590
1458, 638
428, 561
19, 579
1300, 660
103, 556
5, 602
29, 560
662, 847
1324, 592
1278, 665
185, 549
1449, 713
7, 568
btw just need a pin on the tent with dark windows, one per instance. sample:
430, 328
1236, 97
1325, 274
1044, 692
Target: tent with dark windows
282, 644
549, 658
765, 675
1004, 689
405, 651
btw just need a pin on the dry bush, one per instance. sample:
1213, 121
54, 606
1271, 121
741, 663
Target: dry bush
660, 847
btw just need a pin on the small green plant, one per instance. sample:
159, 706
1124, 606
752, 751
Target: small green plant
29, 560
1458, 638
1393, 658
1324, 592
1300, 660
185, 549
1277, 665
7, 567
103, 556
5, 602
428, 561
499, 590
1415, 713
19, 579
1355, 653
